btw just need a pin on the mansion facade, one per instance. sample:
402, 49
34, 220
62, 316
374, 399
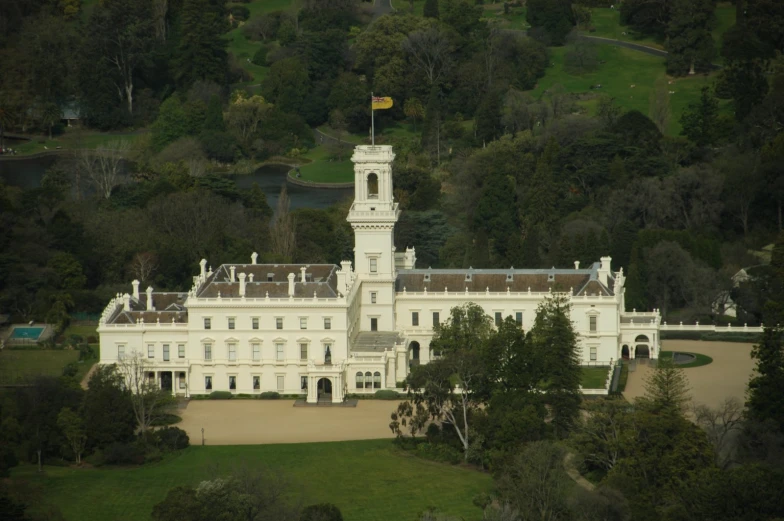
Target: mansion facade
324, 331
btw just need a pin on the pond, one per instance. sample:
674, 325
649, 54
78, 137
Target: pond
27, 173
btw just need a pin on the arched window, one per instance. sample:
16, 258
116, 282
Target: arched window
372, 186
376, 380
368, 380
360, 380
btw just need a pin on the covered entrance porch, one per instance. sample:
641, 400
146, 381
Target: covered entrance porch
326, 383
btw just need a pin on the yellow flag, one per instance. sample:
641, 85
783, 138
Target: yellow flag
381, 103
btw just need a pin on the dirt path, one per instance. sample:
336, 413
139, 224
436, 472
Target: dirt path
87, 376
252, 422
711, 384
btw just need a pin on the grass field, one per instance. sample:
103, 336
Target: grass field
82, 331
621, 69
594, 377
367, 480
16, 366
325, 170
700, 361
73, 139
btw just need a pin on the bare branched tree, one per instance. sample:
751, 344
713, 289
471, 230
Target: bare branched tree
103, 166
722, 424
148, 401
660, 106
143, 265
430, 52
283, 227
160, 9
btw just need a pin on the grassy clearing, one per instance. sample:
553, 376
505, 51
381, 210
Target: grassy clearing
73, 139
82, 331
594, 377
325, 169
700, 361
621, 69
607, 24
16, 366
514, 20
367, 480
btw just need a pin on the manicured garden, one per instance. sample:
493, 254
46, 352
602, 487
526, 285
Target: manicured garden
368, 480
325, 168
699, 361
19, 365
594, 377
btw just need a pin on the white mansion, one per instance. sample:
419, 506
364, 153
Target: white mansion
329, 330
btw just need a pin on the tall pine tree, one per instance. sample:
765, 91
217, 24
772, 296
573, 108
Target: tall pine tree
202, 52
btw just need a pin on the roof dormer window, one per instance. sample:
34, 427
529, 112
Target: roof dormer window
270, 277
427, 277
468, 277
509, 277
550, 277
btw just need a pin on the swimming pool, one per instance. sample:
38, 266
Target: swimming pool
28, 333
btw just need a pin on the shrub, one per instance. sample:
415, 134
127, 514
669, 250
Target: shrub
239, 12
166, 419
221, 395
321, 512
70, 370
269, 395
86, 352
260, 57
96, 459
439, 452
387, 394
400, 385
124, 454
152, 454
171, 439
92, 339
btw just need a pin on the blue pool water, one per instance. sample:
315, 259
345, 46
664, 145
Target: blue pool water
31, 333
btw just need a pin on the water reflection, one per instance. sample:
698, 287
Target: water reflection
27, 173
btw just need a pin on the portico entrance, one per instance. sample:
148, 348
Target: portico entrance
325, 383
166, 381
325, 390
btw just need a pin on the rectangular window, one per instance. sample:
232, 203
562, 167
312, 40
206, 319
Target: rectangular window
165, 352
254, 322
436, 318
374, 324
256, 348
281, 383
150, 350
207, 323
278, 323
208, 383
592, 323
415, 318
256, 383
498, 319
373, 265
120, 352
303, 351
208, 351
232, 383
303, 383
181, 350
519, 318
593, 353
182, 380
279, 352
232, 352
303, 323
327, 323
373, 297
231, 322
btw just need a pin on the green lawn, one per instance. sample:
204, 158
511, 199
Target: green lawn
244, 50
700, 361
514, 20
725, 18
607, 24
594, 377
74, 139
368, 480
325, 169
622, 69
17, 365
82, 331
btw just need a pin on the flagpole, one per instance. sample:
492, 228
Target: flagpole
372, 122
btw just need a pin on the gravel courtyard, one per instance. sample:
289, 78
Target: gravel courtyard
253, 422
726, 377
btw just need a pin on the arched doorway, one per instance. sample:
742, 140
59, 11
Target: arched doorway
641, 349
372, 186
324, 387
413, 349
625, 352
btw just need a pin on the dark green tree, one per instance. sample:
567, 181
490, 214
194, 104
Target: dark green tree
202, 51
700, 120
321, 512
690, 46
554, 16
767, 384
431, 9
213, 118
106, 410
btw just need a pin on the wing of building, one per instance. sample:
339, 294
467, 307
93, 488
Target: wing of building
323, 330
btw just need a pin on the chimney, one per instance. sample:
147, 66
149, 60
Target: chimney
231, 273
126, 302
302, 276
242, 284
343, 276
604, 270
577, 265
203, 266
149, 299
135, 285
250, 277
291, 284
254, 257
